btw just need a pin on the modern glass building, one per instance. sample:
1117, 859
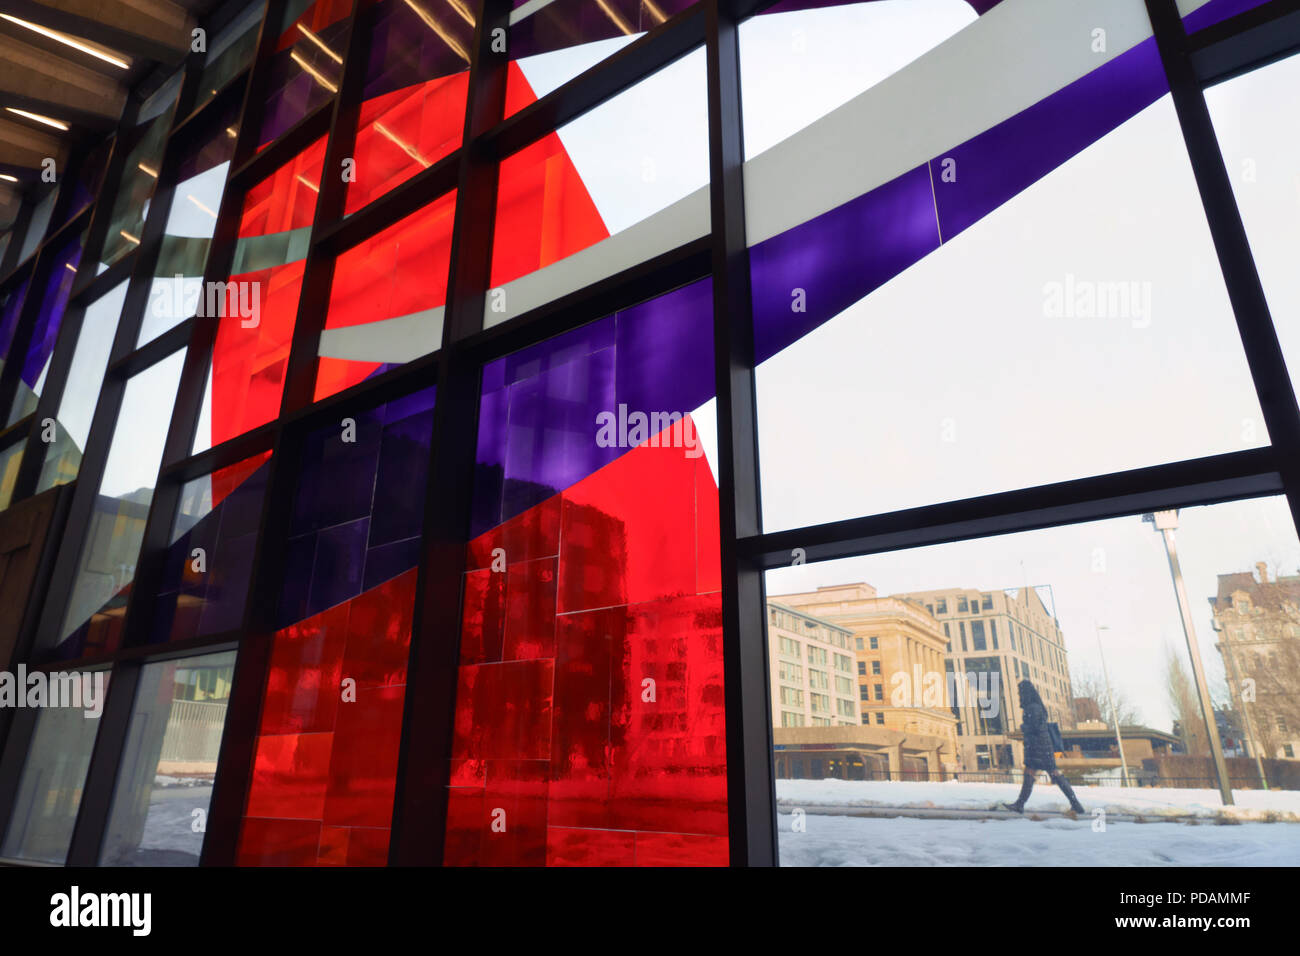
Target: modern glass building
404, 402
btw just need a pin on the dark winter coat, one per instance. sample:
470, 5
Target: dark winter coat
1039, 753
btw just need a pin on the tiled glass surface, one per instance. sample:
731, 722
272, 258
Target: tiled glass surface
159, 810
207, 567
71, 426
326, 760
307, 63
414, 93
106, 560
590, 704
40, 349
49, 789
260, 305
386, 302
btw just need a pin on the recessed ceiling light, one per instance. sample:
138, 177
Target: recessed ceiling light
69, 41
37, 117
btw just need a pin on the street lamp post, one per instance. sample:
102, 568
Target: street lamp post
1110, 702
1165, 522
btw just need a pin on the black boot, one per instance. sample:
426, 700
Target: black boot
1066, 789
1025, 789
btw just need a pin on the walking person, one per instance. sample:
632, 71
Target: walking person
1039, 753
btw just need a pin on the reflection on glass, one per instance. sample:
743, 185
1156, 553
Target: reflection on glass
49, 790
40, 349
207, 566
413, 109
71, 425
106, 559
594, 480
307, 63
259, 304
230, 51
325, 772
551, 43
169, 762
11, 460
176, 291
938, 640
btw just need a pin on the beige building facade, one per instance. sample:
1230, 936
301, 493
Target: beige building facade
993, 640
812, 674
899, 654
1257, 619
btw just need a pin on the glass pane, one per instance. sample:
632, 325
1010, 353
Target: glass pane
551, 43
36, 363
325, 767
259, 305
168, 765
307, 63
91, 177
797, 65
49, 790
413, 113
590, 697
38, 225
11, 305
944, 639
1254, 120
230, 51
145, 143
106, 559
601, 194
201, 181
1017, 287
81, 393
207, 567
386, 303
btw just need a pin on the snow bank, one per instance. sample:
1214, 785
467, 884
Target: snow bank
1151, 802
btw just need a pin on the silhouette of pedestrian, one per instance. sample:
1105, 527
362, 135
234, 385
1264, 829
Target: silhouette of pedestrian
1039, 753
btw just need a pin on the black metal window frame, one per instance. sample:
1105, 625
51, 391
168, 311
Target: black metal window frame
1192, 63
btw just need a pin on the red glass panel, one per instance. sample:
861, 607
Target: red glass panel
405, 132
399, 272
619, 699
544, 211
326, 760
251, 352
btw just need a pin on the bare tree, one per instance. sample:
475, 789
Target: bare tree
1188, 722
1090, 685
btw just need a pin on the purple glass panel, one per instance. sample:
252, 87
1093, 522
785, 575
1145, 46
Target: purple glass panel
404, 50
1002, 161
358, 515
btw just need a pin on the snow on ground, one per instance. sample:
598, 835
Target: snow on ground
901, 841
1145, 801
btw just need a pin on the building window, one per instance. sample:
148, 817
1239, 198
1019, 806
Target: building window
875, 643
